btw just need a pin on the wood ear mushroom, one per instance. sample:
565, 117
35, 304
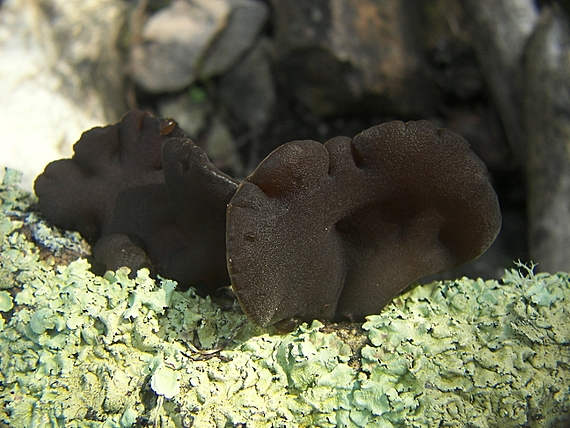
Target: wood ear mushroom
335, 231
144, 195
330, 231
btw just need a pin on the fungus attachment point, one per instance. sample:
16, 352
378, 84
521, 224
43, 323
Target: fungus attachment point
335, 231
287, 325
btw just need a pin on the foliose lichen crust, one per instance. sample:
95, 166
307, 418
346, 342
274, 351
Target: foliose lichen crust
79, 350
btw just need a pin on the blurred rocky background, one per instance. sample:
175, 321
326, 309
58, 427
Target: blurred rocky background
245, 76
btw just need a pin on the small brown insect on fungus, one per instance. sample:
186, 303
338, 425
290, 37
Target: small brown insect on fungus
145, 196
335, 231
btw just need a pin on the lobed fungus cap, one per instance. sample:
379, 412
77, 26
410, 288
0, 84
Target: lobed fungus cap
335, 231
81, 193
145, 196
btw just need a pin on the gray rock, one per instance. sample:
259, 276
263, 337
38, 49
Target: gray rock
173, 42
246, 19
221, 147
248, 89
194, 39
339, 55
60, 74
547, 113
500, 31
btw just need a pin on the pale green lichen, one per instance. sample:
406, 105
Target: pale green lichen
165, 381
79, 350
479, 351
6, 302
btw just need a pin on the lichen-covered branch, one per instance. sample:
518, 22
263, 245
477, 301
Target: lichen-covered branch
81, 350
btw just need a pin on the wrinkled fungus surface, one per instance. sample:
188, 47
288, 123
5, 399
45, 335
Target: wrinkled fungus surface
329, 232
335, 231
145, 196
